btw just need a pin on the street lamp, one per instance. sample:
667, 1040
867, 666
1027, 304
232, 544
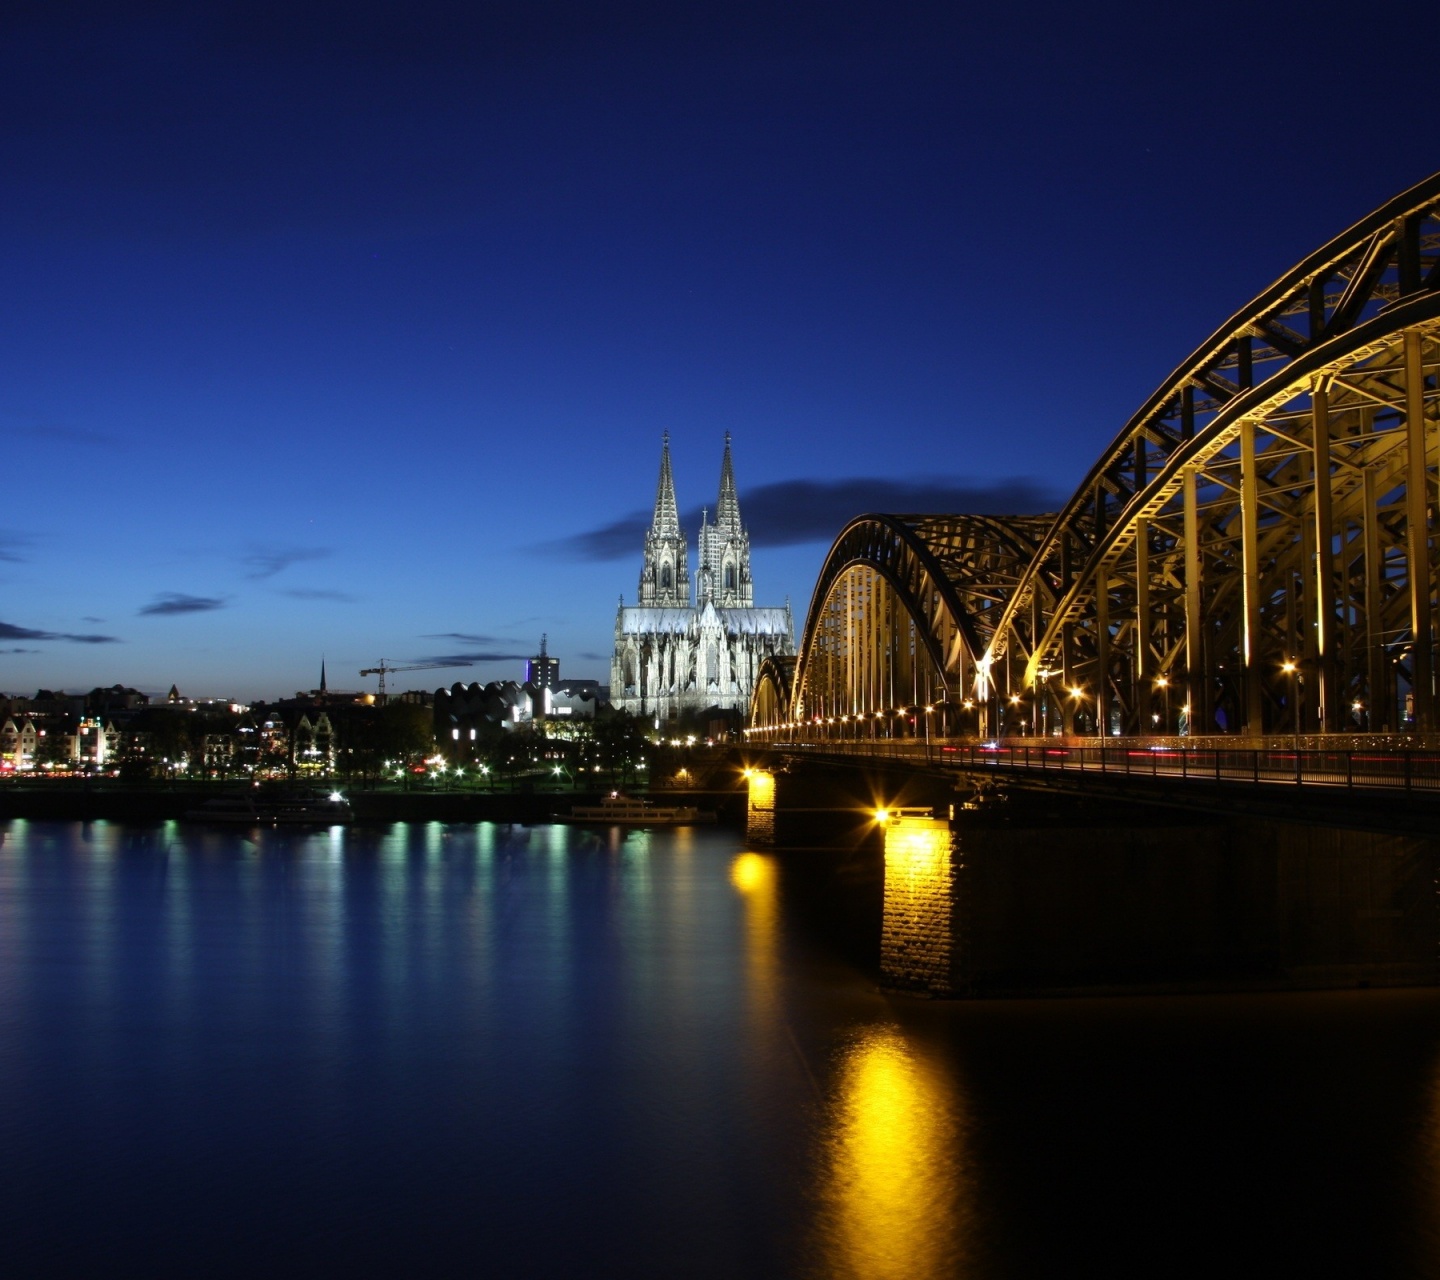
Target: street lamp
1163, 684
1291, 670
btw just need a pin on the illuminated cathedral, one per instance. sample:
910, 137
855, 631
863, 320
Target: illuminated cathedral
672, 655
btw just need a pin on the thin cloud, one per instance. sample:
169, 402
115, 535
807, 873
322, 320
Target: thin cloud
266, 562
470, 659
12, 545
170, 603
8, 631
318, 593
795, 511
465, 637
613, 541
47, 429
791, 512
19, 650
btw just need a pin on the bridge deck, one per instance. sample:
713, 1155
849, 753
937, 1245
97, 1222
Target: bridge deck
1394, 789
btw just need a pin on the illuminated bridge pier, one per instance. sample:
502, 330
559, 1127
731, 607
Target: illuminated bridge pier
1231, 623
992, 888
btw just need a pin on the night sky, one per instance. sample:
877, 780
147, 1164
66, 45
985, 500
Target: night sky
353, 330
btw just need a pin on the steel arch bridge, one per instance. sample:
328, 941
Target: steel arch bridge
1253, 553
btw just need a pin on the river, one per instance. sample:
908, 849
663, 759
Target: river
422, 1049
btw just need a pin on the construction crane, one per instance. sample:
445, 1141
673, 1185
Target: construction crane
386, 668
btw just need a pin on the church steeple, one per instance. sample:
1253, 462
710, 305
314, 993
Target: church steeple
665, 576
667, 516
725, 548
322, 677
727, 510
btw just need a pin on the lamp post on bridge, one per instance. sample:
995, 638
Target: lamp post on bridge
1292, 669
1042, 700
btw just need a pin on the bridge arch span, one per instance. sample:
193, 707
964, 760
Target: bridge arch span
1250, 538
770, 703
1256, 551
904, 608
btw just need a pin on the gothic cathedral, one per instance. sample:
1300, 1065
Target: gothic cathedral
673, 656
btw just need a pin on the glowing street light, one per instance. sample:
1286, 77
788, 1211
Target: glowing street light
1290, 668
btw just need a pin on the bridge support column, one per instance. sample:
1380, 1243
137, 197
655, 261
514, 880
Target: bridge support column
1250, 567
1142, 696
1325, 631
920, 943
1417, 533
1379, 685
760, 811
1102, 654
1069, 901
1198, 692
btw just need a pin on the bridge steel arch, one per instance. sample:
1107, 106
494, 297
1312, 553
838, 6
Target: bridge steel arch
1254, 552
770, 703
904, 609
1259, 534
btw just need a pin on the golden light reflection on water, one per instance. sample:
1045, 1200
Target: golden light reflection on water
753, 875
893, 1180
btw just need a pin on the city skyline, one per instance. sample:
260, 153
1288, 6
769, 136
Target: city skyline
358, 338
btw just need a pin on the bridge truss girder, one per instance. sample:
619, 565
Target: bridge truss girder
1201, 565
1253, 552
904, 609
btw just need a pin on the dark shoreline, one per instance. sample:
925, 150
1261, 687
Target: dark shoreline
59, 803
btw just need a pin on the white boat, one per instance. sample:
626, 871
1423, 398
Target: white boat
627, 811
263, 806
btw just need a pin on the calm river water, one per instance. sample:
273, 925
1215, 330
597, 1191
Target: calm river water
469, 1050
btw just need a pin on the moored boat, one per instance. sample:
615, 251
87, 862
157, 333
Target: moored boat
629, 811
263, 806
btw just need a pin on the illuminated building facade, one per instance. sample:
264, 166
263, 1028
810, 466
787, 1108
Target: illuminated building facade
674, 655
542, 671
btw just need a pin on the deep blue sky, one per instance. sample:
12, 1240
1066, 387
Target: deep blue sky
354, 329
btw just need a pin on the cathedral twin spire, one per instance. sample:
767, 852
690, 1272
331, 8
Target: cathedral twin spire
724, 575
665, 576
667, 514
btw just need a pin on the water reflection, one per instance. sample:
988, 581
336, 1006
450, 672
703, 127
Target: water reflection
397, 1046
892, 1186
753, 875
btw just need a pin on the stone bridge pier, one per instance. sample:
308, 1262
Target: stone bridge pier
1030, 894
805, 805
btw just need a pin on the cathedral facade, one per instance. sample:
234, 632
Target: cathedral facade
674, 655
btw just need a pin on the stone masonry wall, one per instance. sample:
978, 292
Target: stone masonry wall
919, 940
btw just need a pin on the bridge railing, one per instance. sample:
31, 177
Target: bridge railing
1271, 765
